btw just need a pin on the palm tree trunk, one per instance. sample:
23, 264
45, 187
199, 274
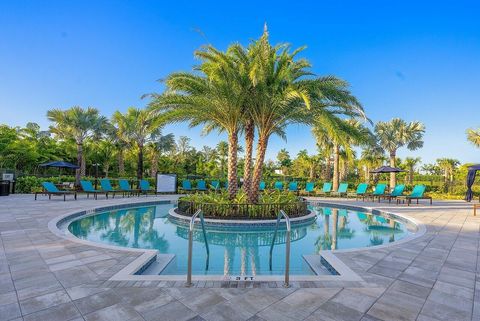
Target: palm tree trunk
336, 163
393, 177
312, 171
140, 162
106, 167
154, 168
247, 167
326, 175
78, 172
232, 164
121, 163
258, 170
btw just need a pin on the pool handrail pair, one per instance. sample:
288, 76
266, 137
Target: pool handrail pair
199, 214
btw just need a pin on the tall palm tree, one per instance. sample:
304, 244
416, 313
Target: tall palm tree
286, 93
213, 97
473, 135
397, 133
78, 124
411, 163
137, 127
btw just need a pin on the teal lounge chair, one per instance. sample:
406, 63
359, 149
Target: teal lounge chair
145, 187
379, 191
187, 186
417, 194
293, 187
397, 191
87, 187
107, 187
201, 185
360, 192
327, 189
310, 188
261, 186
50, 189
125, 186
278, 186
215, 185
342, 190
225, 185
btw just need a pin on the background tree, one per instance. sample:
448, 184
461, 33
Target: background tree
448, 166
284, 161
342, 135
137, 127
411, 163
397, 133
79, 124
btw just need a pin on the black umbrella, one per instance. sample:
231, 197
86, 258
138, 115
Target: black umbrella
60, 164
387, 169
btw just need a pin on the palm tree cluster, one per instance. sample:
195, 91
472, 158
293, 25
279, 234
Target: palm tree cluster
259, 89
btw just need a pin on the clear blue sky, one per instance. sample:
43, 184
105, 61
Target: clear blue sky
409, 59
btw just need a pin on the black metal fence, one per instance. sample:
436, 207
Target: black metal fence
243, 211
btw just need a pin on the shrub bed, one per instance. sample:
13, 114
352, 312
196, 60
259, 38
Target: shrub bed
218, 205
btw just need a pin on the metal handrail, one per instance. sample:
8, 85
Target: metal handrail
190, 244
287, 246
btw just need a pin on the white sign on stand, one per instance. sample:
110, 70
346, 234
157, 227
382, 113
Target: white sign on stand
166, 183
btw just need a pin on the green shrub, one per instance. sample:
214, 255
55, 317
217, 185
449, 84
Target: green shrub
27, 184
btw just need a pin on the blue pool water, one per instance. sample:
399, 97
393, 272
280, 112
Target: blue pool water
238, 251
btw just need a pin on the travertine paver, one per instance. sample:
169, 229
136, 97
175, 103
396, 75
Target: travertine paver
44, 277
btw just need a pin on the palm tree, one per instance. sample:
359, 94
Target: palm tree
213, 97
411, 163
397, 133
137, 127
448, 166
160, 144
284, 95
473, 135
342, 135
78, 124
372, 156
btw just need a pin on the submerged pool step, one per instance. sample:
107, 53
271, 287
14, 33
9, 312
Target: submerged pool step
156, 267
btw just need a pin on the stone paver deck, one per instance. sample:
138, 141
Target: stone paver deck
44, 277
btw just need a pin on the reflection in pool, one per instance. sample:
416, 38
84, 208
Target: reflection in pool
238, 251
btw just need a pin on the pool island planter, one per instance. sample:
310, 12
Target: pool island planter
243, 211
184, 220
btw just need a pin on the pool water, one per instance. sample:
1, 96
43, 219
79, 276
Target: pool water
238, 251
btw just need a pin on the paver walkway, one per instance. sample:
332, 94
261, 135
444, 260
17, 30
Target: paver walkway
44, 277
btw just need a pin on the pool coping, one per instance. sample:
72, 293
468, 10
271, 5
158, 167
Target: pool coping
147, 256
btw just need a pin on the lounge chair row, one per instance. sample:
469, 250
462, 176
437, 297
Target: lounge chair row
106, 188
215, 185
418, 193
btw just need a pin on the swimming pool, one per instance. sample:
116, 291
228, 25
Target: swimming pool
239, 250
